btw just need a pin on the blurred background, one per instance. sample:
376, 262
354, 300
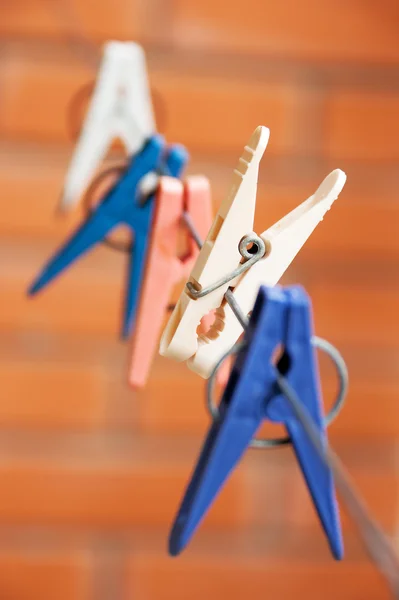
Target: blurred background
91, 473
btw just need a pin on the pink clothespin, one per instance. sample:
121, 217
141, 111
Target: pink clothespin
164, 267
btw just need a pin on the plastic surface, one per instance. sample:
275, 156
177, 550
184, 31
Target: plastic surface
164, 267
280, 317
120, 108
122, 205
220, 256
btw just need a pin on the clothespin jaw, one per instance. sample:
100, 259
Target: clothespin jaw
164, 267
298, 364
220, 252
280, 317
120, 108
282, 243
123, 204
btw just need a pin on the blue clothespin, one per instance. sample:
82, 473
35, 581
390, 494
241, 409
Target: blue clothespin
122, 205
280, 317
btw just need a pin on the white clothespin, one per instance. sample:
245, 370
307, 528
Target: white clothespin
220, 256
120, 108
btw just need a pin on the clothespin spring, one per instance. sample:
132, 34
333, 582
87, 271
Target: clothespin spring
317, 342
252, 248
376, 542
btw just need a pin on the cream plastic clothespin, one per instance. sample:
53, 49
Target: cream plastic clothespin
120, 108
220, 255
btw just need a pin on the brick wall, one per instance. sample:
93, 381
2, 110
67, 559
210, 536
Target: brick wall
91, 472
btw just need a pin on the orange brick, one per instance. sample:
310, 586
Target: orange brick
362, 125
60, 19
361, 315
51, 396
378, 490
144, 492
357, 232
79, 307
180, 410
72, 350
354, 230
86, 298
45, 576
122, 21
27, 208
28, 18
313, 30
371, 464
358, 417
224, 576
37, 91
208, 114
212, 114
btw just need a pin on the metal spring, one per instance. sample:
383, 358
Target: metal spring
251, 256
317, 342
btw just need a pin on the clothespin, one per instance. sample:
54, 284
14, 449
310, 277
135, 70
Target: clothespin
164, 267
222, 253
120, 108
123, 204
281, 317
